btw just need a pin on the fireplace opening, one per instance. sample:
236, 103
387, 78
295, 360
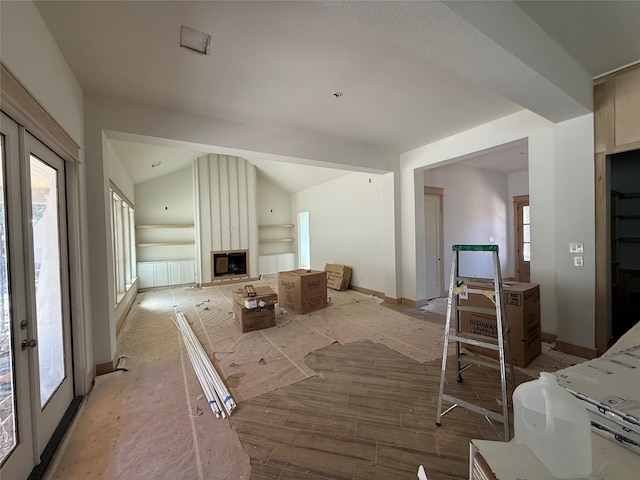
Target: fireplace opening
229, 263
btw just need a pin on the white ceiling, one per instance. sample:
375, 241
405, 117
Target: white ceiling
277, 65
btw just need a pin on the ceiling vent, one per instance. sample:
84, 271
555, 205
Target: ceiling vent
194, 41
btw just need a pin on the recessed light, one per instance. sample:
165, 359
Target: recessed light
194, 41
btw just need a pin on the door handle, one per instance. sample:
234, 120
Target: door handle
28, 344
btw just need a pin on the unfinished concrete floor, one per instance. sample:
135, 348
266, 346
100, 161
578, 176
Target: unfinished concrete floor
345, 392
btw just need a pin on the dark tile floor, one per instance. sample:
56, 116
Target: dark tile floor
371, 417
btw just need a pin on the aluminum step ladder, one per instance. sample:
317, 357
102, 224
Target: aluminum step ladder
493, 291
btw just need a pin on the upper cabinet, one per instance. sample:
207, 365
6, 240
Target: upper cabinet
617, 111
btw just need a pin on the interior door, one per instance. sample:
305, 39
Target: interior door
36, 329
433, 240
523, 237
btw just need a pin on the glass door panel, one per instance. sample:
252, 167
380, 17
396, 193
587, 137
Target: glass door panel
48, 288
8, 435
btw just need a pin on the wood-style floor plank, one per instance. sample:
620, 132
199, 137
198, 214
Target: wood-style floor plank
370, 416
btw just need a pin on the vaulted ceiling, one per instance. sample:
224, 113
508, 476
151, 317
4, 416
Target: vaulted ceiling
408, 73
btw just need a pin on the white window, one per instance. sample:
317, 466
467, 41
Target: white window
124, 244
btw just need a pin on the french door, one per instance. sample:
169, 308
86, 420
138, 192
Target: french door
36, 377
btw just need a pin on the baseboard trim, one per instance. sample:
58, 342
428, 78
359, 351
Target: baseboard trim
367, 291
393, 301
106, 367
414, 303
576, 350
548, 337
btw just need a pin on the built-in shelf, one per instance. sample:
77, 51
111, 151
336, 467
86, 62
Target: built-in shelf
274, 240
277, 239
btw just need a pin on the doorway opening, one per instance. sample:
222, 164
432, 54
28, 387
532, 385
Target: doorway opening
304, 250
624, 195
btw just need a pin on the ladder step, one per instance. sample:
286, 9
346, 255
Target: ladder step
475, 248
477, 340
476, 280
475, 408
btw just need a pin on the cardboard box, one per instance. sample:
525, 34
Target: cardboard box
250, 319
338, 276
522, 309
525, 344
257, 312
264, 296
302, 291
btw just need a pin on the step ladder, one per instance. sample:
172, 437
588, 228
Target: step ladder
457, 286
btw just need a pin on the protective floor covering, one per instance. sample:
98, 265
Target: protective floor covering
152, 420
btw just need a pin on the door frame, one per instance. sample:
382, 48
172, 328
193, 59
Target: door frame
26, 111
519, 200
437, 192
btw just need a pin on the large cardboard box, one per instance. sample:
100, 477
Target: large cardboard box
338, 276
302, 291
256, 312
522, 309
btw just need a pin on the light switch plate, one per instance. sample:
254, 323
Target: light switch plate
576, 248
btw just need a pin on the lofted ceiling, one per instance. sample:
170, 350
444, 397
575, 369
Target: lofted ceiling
279, 64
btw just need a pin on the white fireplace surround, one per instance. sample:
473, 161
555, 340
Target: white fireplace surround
226, 218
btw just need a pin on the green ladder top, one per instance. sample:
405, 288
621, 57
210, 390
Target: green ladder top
474, 248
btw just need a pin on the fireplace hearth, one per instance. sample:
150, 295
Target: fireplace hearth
229, 263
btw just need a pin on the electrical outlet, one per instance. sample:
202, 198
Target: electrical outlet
577, 262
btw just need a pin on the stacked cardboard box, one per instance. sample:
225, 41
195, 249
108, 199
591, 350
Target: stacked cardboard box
522, 309
255, 310
338, 276
302, 291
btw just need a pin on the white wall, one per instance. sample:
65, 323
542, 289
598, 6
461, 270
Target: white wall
346, 226
475, 206
573, 214
118, 175
29, 52
561, 186
274, 207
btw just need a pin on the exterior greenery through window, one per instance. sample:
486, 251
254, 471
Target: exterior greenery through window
124, 244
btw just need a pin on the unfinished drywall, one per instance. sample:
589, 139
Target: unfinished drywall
32, 56
475, 207
274, 208
346, 226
